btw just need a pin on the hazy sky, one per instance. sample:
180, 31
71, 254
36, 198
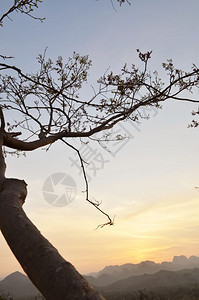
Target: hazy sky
148, 182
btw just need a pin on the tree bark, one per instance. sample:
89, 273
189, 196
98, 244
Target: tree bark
54, 277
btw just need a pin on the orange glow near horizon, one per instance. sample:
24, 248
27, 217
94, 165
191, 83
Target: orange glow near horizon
142, 232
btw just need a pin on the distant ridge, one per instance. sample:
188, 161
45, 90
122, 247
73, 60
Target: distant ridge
181, 271
111, 274
152, 283
18, 286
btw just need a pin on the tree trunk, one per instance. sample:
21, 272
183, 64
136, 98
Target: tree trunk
54, 277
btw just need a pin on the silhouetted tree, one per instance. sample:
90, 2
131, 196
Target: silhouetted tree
4, 296
48, 108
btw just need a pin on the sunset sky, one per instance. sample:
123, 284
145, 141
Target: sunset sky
148, 183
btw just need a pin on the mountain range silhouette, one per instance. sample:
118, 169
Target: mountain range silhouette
119, 278
111, 274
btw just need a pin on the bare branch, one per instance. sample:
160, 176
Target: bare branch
2, 119
5, 57
23, 6
96, 203
57, 111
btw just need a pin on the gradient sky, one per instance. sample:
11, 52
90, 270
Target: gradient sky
149, 185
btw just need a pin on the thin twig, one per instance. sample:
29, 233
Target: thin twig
113, 6
96, 203
6, 57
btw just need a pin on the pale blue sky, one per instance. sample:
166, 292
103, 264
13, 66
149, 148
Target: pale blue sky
149, 185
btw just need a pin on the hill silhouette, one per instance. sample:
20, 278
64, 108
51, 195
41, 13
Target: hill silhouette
111, 274
119, 280
159, 279
18, 286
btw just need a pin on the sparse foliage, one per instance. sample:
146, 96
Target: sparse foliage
195, 123
49, 107
22, 6
123, 1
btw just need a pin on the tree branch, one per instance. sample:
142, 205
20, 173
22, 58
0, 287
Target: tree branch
23, 6
2, 119
95, 204
2, 161
5, 57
